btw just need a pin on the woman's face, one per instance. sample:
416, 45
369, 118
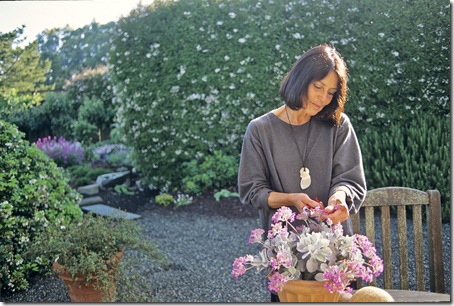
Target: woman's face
320, 93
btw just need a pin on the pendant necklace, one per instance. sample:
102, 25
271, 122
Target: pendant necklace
304, 171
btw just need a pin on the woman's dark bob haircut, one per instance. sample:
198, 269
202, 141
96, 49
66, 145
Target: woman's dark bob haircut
314, 65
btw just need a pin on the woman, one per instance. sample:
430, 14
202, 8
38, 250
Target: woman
307, 148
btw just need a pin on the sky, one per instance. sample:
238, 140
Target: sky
39, 15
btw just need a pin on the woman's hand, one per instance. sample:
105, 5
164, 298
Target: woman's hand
298, 200
301, 200
337, 208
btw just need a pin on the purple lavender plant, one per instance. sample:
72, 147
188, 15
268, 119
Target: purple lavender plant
65, 153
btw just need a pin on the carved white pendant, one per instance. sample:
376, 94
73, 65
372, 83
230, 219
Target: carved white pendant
305, 178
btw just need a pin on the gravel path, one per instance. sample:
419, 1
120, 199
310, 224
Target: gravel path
202, 247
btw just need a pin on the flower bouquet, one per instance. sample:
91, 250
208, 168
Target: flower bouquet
316, 250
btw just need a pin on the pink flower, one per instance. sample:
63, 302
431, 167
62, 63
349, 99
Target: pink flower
238, 266
277, 281
277, 229
284, 214
256, 235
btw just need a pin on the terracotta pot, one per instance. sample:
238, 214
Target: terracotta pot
82, 291
306, 291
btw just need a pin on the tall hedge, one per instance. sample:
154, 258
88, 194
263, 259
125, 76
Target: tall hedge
189, 75
412, 154
33, 194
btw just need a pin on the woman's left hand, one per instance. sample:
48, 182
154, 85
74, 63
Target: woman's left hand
337, 208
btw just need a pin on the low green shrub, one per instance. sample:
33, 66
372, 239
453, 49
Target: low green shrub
33, 194
414, 154
215, 171
85, 174
164, 199
226, 194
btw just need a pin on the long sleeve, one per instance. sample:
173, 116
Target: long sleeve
347, 169
253, 174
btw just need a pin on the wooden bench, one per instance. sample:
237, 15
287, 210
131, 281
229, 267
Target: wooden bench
382, 199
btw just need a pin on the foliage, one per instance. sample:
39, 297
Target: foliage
84, 247
22, 74
316, 250
73, 50
114, 154
189, 88
33, 195
85, 174
164, 199
124, 189
183, 200
55, 116
225, 193
413, 154
91, 94
212, 171
65, 153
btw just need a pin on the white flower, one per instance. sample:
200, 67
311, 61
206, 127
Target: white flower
278, 47
381, 34
232, 15
175, 89
226, 58
395, 53
220, 22
217, 70
242, 40
298, 36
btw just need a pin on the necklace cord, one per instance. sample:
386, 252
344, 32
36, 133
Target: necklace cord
294, 138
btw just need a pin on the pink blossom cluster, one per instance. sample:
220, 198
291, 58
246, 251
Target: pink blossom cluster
318, 250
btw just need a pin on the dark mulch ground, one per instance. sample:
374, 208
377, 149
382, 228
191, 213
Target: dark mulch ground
229, 207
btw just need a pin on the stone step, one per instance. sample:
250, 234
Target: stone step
90, 201
88, 189
107, 211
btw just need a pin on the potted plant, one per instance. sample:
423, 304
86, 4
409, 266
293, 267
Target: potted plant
316, 251
87, 254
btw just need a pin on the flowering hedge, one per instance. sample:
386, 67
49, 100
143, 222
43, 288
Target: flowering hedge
33, 194
189, 75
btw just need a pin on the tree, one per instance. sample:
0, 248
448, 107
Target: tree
22, 73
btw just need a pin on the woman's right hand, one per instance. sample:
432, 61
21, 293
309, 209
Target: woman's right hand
298, 200
301, 200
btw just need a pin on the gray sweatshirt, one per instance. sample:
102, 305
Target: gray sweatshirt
270, 162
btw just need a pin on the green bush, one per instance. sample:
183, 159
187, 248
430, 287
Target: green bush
91, 91
85, 174
189, 75
33, 194
164, 199
412, 154
214, 171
